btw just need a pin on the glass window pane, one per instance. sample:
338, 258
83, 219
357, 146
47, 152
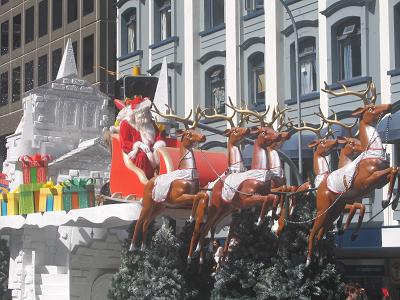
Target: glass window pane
215, 86
4, 1
4, 88
29, 24
42, 70
87, 6
29, 73
72, 10
131, 30
56, 61
57, 14
217, 12
88, 55
75, 48
4, 38
43, 18
17, 31
16, 84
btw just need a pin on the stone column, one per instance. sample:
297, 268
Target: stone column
323, 57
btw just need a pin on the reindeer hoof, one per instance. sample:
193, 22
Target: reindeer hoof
395, 203
308, 262
191, 219
385, 203
354, 236
259, 221
132, 247
189, 260
143, 248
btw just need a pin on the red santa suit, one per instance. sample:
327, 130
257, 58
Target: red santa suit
140, 148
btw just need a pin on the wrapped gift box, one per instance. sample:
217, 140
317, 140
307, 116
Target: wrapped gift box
78, 193
34, 168
29, 198
13, 203
3, 203
50, 198
4, 183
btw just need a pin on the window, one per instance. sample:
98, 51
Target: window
57, 14
29, 24
42, 70
347, 49
29, 82
307, 66
257, 78
87, 7
4, 88
4, 1
43, 21
17, 31
16, 84
75, 48
254, 5
129, 30
72, 10
88, 55
215, 88
56, 57
4, 38
397, 35
214, 13
162, 15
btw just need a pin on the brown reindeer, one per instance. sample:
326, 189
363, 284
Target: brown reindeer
372, 170
250, 191
183, 189
235, 135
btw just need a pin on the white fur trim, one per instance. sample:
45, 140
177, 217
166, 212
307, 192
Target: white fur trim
146, 103
133, 153
159, 144
136, 145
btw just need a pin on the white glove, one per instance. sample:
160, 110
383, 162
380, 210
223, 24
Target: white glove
144, 148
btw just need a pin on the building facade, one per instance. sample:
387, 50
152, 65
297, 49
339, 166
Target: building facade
33, 36
245, 49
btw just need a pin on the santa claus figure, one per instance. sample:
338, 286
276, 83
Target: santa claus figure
139, 135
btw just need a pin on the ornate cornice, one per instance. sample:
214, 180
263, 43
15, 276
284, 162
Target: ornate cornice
300, 24
206, 57
329, 11
172, 65
251, 41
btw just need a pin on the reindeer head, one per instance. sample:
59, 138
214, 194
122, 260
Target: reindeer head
370, 113
189, 136
285, 135
235, 134
351, 146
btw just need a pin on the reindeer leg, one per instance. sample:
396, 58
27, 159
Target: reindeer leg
396, 199
144, 215
201, 209
194, 206
341, 217
390, 175
352, 210
361, 207
155, 212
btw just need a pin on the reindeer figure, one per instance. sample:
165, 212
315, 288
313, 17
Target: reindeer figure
245, 189
370, 170
178, 188
235, 136
351, 149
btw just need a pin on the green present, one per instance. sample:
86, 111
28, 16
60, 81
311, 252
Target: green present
29, 198
78, 193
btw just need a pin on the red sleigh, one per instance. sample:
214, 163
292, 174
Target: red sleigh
127, 179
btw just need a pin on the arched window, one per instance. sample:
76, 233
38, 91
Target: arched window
307, 66
129, 31
162, 19
346, 50
256, 78
396, 31
215, 88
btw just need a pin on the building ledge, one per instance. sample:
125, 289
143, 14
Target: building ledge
172, 39
394, 72
254, 14
129, 55
349, 82
212, 30
303, 98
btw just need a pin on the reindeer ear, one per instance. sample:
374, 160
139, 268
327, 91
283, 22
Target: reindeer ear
179, 132
358, 112
341, 140
312, 144
226, 132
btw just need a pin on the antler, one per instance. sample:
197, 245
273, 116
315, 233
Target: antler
219, 116
172, 116
247, 111
361, 94
197, 117
317, 130
280, 116
335, 121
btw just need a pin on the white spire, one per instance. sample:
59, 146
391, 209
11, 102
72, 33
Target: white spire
161, 95
68, 64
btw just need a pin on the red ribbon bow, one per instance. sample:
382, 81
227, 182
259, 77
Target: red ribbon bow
35, 160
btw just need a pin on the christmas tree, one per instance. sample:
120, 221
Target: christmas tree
263, 267
4, 265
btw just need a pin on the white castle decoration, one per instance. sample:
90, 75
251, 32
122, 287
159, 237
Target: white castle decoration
63, 118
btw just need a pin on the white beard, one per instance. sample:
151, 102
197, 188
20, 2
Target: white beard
142, 122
